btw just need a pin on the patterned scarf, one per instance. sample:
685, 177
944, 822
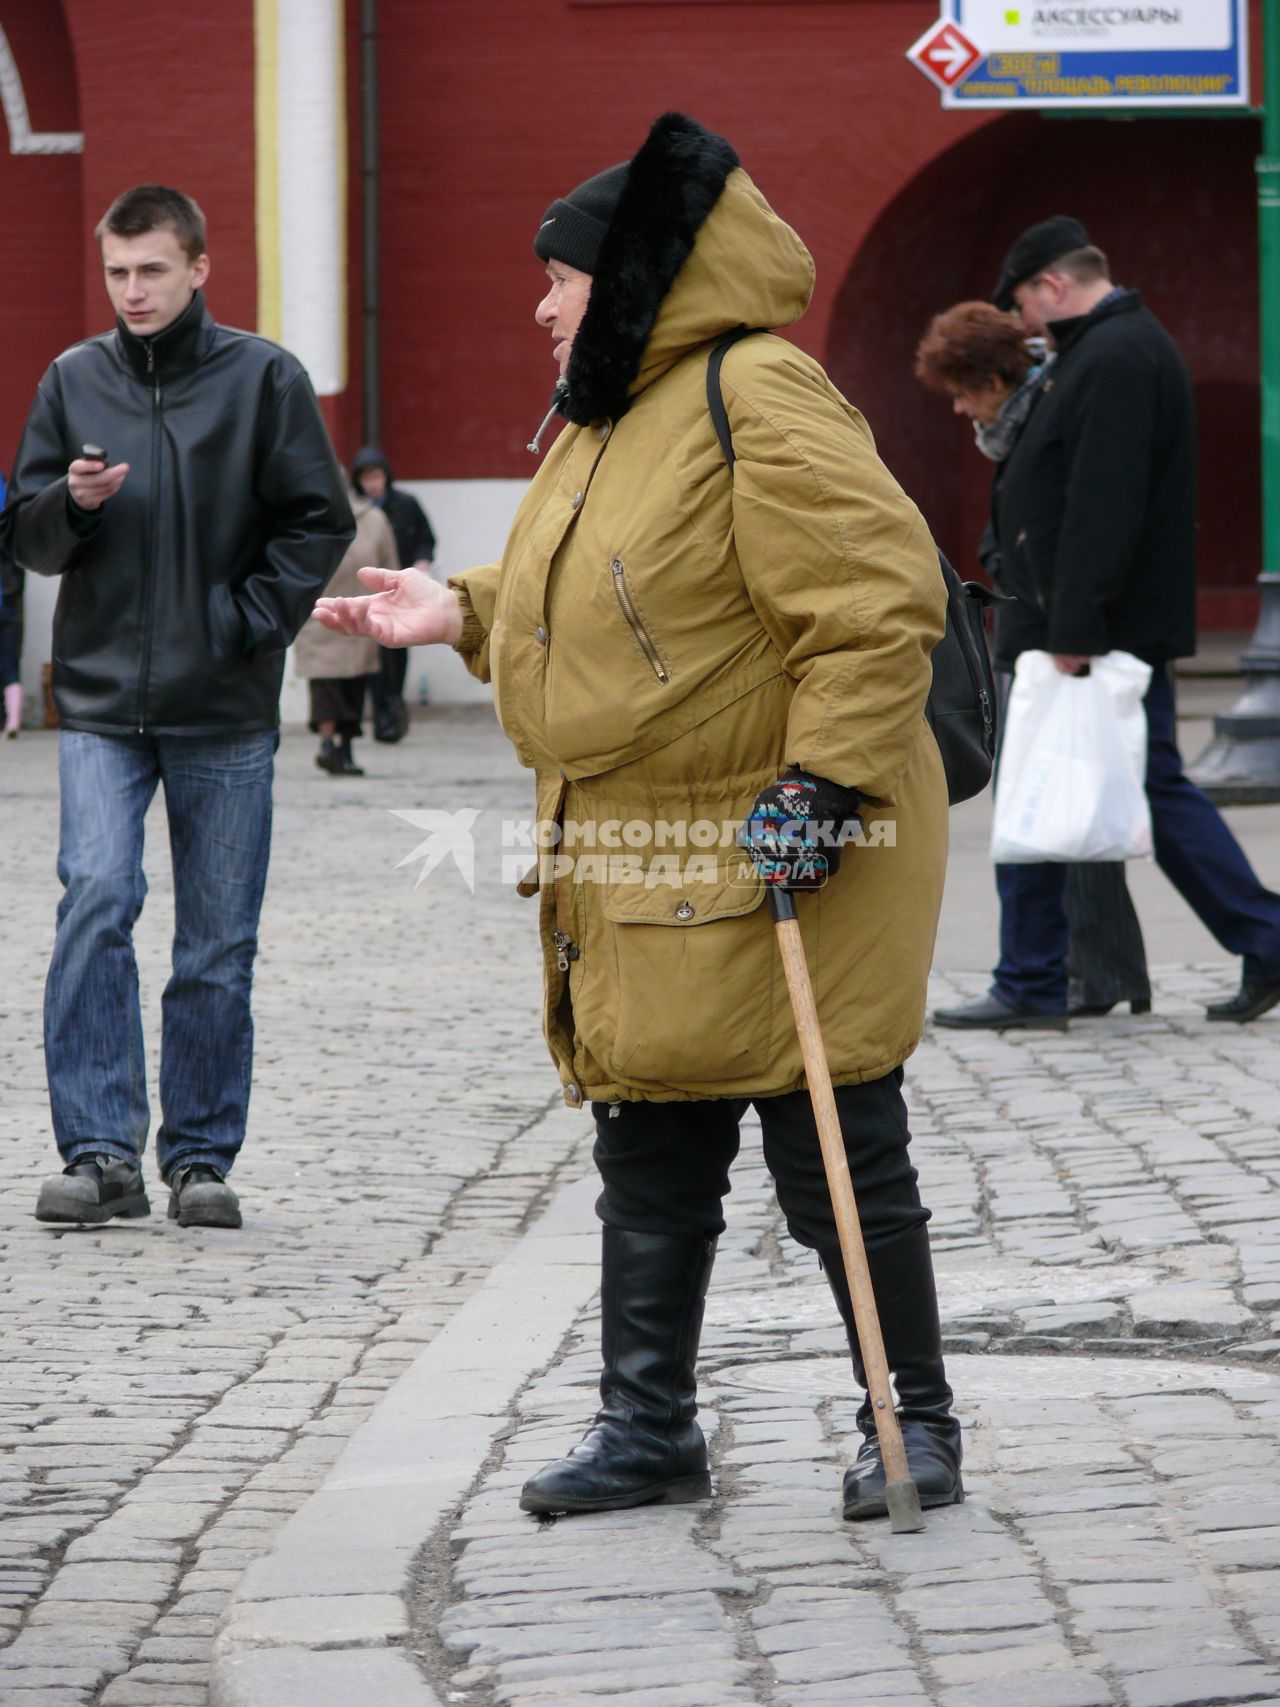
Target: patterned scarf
998, 439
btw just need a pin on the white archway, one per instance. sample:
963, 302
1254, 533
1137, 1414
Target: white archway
22, 139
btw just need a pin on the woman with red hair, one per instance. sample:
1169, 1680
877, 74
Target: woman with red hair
994, 373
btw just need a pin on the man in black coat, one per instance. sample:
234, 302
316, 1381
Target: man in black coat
416, 548
1094, 517
177, 476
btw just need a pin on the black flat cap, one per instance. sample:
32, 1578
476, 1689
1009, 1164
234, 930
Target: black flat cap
1038, 247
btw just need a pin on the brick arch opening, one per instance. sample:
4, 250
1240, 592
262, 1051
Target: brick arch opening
1172, 201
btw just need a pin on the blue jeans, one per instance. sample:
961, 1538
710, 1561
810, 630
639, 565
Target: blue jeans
1194, 849
217, 792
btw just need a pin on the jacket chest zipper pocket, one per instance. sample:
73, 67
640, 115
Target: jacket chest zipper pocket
627, 605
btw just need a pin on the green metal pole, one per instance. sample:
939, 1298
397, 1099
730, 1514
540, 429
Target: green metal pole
1241, 765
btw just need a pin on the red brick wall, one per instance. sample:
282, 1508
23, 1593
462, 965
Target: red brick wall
1172, 203
488, 112
39, 216
169, 98
906, 208
483, 126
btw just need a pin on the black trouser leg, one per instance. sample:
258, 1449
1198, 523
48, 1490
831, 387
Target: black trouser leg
1106, 956
386, 686
873, 1121
393, 663
664, 1166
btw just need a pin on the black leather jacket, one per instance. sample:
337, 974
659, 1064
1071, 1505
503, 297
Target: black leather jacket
180, 595
1095, 506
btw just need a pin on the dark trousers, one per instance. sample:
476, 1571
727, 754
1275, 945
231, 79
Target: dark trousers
386, 683
665, 1165
1106, 956
1069, 928
1194, 849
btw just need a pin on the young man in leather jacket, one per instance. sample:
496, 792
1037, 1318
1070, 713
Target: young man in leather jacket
178, 477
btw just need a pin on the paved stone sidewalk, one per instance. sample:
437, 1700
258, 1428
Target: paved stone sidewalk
307, 1437
171, 1396
1107, 1239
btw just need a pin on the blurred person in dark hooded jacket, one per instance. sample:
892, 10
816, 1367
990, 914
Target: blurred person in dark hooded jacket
415, 546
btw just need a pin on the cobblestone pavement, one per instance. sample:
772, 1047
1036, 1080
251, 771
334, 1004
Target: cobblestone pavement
172, 1395
1107, 1239
1106, 1206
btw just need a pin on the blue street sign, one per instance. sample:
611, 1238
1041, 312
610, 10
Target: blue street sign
1090, 55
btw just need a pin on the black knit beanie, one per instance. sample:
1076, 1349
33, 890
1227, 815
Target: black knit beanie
573, 228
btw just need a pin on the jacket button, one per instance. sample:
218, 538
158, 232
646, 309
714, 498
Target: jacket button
540, 635
684, 911
577, 500
572, 1094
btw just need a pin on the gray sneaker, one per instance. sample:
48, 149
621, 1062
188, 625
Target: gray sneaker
93, 1189
200, 1197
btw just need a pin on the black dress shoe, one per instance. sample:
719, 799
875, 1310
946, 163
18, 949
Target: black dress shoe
1249, 1001
1096, 1010
992, 1014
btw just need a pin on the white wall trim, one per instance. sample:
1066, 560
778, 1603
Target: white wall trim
301, 218
22, 139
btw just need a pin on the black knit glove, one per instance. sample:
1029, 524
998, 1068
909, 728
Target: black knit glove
794, 829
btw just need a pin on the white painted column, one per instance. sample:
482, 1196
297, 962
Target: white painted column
301, 201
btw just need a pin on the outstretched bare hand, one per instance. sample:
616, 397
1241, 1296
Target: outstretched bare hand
407, 608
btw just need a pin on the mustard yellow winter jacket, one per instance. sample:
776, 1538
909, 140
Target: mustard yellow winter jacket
665, 637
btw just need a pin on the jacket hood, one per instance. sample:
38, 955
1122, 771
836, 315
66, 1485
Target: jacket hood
369, 456
693, 250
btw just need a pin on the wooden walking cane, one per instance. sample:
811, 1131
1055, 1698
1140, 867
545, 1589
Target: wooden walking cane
900, 1495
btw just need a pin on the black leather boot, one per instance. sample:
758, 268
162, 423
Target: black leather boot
644, 1447
907, 1304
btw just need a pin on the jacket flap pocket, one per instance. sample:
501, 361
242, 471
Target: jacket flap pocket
683, 891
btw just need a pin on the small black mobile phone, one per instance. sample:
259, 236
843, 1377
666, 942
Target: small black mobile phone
94, 453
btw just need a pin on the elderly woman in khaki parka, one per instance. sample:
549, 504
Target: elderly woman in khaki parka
675, 646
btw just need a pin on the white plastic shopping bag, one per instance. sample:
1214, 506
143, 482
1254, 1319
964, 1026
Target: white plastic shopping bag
1073, 756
